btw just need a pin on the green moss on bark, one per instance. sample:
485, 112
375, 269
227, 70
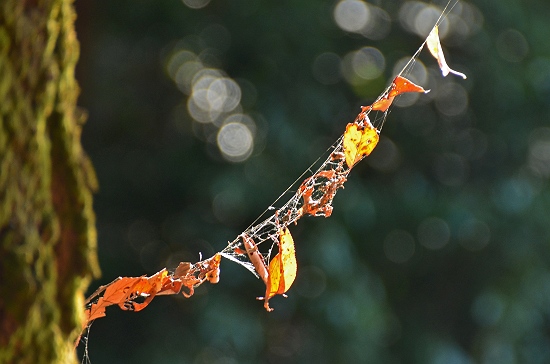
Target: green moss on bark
47, 225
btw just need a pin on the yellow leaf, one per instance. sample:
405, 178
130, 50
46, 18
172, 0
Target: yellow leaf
282, 268
434, 45
359, 141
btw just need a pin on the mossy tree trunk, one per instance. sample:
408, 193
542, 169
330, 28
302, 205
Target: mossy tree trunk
47, 224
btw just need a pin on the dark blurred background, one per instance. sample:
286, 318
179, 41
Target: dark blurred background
201, 112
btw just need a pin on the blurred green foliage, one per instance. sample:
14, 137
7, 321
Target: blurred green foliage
438, 249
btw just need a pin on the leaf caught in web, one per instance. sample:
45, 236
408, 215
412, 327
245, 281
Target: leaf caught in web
135, 293
256, 257
282, 268
313, 197
359, 141
434, 45
122, 292
399, 86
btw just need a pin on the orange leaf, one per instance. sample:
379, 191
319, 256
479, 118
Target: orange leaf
124, 290
170, 286
383, 104
359, 141
434, 45
182, 270
399, 85
115, 293
255, 257
212, 269
282, 268
325, 185
145, 287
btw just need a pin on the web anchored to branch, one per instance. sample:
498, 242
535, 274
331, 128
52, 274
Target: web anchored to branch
312, 197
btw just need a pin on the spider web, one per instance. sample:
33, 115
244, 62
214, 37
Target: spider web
86, 338
315, 194
312, 196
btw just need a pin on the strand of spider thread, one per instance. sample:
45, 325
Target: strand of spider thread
292, 210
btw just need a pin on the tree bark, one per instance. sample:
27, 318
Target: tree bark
47, 224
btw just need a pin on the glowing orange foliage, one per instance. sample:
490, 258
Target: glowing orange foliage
282, 268
124, 291
399, 85
359, 141
313, 197
255, 257
325, 184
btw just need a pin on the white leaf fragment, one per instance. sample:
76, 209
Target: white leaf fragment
434, 45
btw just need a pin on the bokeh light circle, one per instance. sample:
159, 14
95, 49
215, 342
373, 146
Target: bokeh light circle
235, 141
351, 15
512, 46
451, 169
196, 4
451, 99
538, 159
433, 233
326, 68
368, 63
474, 234
399, 246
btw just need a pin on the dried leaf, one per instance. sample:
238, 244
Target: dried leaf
212, 269
115, 294
359, 141
324, 184
127, 291
147, 287
282, 268
399, 85
255, 257
434, 45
